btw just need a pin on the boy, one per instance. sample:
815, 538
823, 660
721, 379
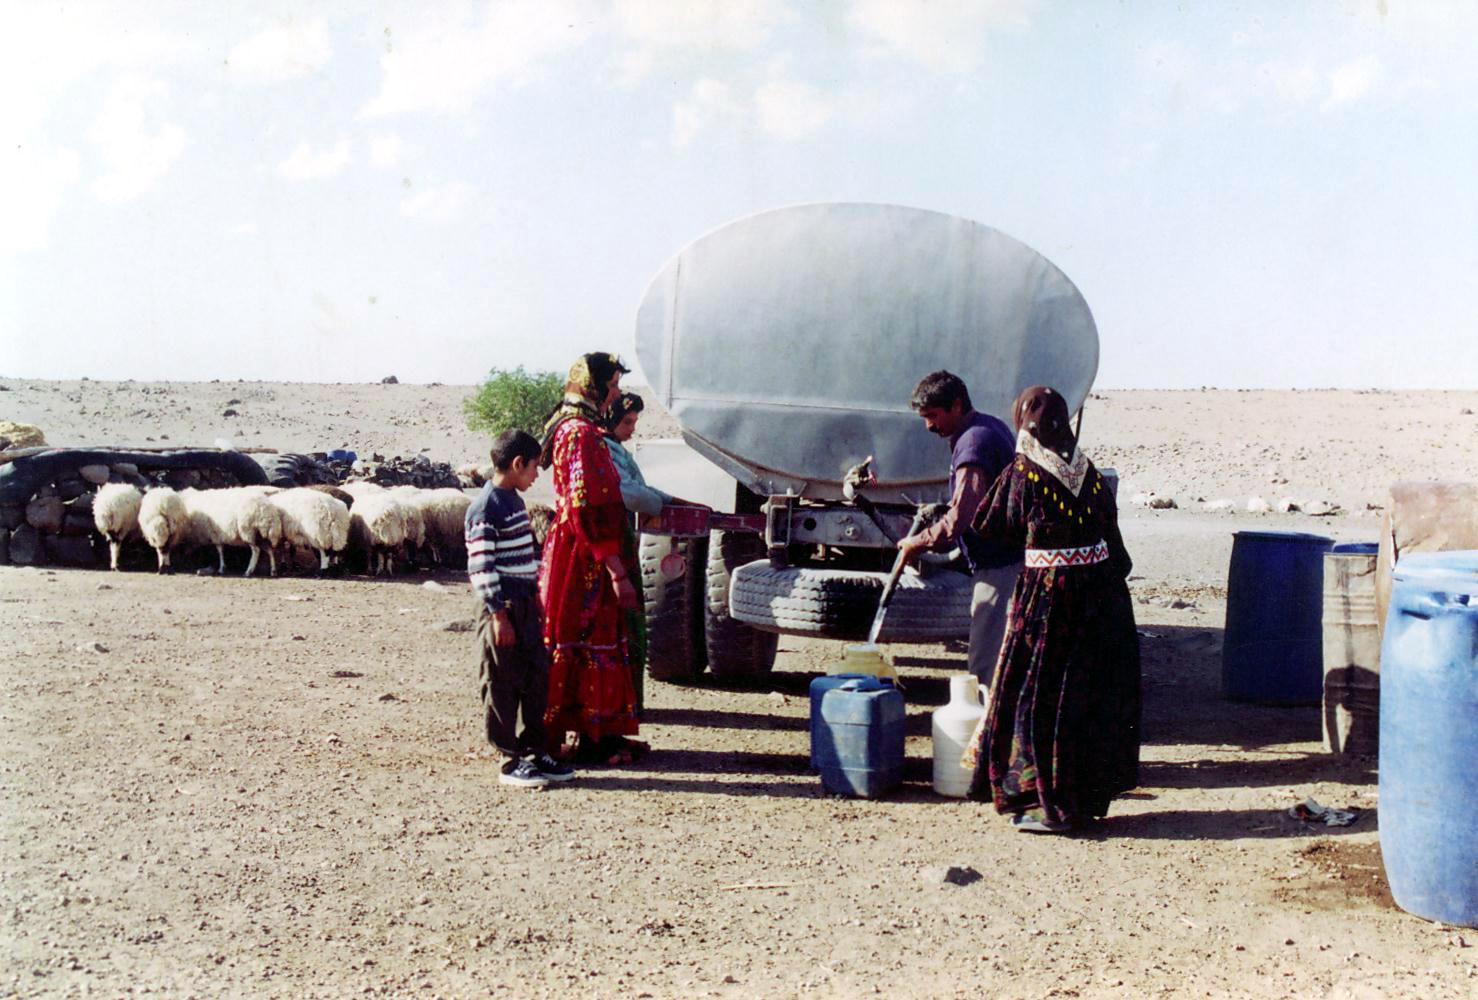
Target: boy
513, 666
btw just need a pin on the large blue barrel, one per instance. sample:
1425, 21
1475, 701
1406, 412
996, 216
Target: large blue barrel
1273, 649
857, 742
1429, 737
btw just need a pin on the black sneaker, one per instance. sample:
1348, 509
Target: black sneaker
551, 768
522, 773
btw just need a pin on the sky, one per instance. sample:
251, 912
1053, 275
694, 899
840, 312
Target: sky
1247, 194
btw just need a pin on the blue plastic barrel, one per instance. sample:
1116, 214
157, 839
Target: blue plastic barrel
1273, 649
1429, 737
819, 687
857, 742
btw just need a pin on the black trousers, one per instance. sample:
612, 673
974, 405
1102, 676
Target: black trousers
514, 679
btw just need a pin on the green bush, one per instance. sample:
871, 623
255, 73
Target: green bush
513, 400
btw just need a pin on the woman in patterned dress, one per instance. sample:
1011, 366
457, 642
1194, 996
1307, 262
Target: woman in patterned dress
584, 585
1061, 737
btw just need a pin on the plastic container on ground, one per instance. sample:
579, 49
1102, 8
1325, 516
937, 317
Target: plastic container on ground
1272, 652
1428, 740
819, 687
857, 741
954, 724
1351, 649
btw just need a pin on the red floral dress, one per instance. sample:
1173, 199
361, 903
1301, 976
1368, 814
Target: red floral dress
590, 688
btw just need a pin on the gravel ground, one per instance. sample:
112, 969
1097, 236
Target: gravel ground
226, 788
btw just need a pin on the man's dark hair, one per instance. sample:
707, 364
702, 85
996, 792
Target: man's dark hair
513, 444
939, 390
627, 402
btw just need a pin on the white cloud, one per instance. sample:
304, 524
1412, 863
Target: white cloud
791, 109
282, 52
947, 36
437, 204
243, 229
386, 150
306, 164
709, 103
32, 185
137, 149
696, 29
456, 59
1352, 81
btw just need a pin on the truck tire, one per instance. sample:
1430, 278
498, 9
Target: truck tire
675, 651
737, 653
840, 604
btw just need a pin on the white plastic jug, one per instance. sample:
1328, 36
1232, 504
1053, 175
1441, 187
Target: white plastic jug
954, 724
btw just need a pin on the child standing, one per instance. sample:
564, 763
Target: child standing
513, 665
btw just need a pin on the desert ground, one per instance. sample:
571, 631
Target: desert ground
218, 787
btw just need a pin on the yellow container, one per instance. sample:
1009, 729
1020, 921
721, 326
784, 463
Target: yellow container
865, 658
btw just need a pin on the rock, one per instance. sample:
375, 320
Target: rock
459, 625
1218, 506
12, 515
1288, 505
95, 474
46, 514
206, 571
228, 412
25, 546
388, 697
105, 586
1162, 503
4, 546
71, 550
92, 647
949, 875
125, 468
778, 699
182, 479
433, 585
72, 487
1321, 508
1141, 499
1257, 505
1466, 411
77, 524
81, 505
15, 435
389, 380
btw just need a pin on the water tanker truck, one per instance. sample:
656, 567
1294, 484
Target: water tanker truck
786, 344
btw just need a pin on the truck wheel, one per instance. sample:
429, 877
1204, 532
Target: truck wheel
674, 608
840, 604
737, 653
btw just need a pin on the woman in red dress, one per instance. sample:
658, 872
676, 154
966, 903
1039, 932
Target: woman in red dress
584, 585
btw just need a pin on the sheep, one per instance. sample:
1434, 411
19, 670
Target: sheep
415, 519
347, 499
238, 516
115, 512
377, 525
357, 488
313, 519
443, 513
164, 522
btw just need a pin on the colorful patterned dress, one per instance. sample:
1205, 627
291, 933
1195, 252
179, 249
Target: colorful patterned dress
590, 689
1061, 736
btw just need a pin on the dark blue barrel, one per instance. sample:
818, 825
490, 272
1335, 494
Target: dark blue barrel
1273, 649
857, 742
1429, 737
819, 687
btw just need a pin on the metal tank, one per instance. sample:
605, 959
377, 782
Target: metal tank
787, 343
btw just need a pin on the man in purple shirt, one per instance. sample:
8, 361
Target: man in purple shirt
980, 447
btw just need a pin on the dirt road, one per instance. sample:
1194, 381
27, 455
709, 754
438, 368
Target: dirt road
226, 787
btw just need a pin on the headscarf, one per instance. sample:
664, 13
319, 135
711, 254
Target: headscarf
585, 394
1044, 434
627, 402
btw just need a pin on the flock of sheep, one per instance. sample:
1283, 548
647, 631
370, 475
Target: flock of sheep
380, 523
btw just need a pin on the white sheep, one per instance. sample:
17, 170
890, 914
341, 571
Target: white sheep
242, 516
443, 512
415, 520
163, 521
377, 525
361, 488
314, 520
115, 512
